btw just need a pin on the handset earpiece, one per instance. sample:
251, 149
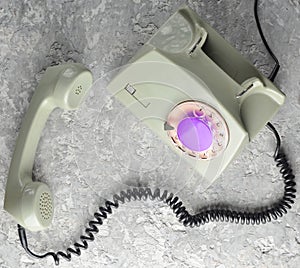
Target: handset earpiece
30, 202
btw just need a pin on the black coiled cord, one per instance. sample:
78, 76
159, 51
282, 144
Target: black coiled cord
215, 214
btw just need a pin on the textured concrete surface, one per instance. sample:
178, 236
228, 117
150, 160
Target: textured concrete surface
82, 155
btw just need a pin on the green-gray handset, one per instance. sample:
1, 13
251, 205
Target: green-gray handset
30, 202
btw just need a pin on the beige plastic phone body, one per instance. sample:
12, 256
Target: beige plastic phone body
30, 202
188, 60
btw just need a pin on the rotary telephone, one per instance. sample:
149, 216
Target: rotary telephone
188, 85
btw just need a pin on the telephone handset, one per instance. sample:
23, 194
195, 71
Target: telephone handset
28, 201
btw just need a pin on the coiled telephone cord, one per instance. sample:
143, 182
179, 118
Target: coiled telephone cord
215, 214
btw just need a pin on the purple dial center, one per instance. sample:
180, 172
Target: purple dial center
194, 134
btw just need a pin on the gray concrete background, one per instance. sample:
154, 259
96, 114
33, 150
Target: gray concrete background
81, 158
